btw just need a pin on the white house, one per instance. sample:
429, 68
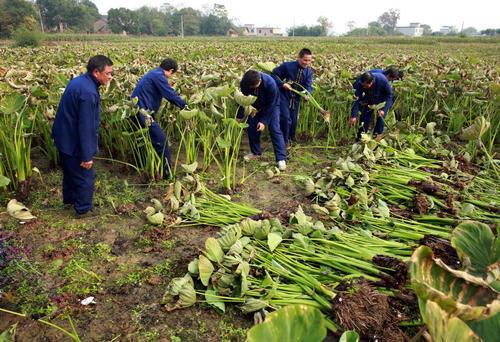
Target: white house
249, 30
269, 32
414, 30
447, 29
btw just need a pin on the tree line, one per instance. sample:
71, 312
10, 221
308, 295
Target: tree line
79, 16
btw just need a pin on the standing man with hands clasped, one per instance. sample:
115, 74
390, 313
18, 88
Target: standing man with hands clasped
76, 133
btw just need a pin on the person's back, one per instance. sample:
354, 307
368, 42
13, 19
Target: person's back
81, 92
148, 94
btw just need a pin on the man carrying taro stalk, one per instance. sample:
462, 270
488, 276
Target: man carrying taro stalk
150, 90
371, 89
293, 75
268, 110
76, 131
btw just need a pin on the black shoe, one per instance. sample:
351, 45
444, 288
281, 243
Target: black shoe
87, 214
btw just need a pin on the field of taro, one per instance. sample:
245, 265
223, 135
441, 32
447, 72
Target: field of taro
388, 239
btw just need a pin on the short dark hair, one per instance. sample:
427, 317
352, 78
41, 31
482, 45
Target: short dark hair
394, 73
99, 62
366, 77
169, 64
250, 79
304, 51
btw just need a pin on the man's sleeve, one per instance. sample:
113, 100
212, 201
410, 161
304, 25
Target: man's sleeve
266, 111
168, 92
309, 81
358, 92
389, 98
279, 75
86, 126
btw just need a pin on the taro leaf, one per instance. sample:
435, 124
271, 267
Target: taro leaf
262, 231
189, 114
9, 335
187, 295
189, 168
476, 130
205, 268
309, 186
299, 217
12, 103
244, 285
222, 143
19, 211
457, 292
252, 305
213, 250
349, 336
236, 248
4, 181
243, 100
230, 237
476, 246
157, 204
382, 209
193, 267
273, 240
156, 219
243, 268
443, 327
266, 66
290, 323
248, 226
149, 211
213, 300
349, 182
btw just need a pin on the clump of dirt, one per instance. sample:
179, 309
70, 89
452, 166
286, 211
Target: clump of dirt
450, 203
283, 212
465, 165
395, 273
402, 212
421, 204
428, 188
442, 249
362, 308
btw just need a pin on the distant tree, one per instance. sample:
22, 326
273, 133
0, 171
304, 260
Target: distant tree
469, 31
306, 31
325, 24
190, 19
389, 20
78, 15
123, 20
14, 14
215, 21
358, 31
350, 25
427, 29
375, 29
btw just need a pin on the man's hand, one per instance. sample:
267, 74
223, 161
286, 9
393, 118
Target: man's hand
260, 127
87, 164
326, 115
306, 98
381, 113
287, 86
352, 121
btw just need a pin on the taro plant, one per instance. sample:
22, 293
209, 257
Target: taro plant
465, 300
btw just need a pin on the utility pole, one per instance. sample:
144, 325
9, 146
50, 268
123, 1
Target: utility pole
293, 27
40, 16
182, 25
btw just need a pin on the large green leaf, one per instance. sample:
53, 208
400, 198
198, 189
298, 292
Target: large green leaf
213, 250
205, 269
292, 323
9, 335
349, 336
444, 328
4, 181
456, 292
476, 246
12, 103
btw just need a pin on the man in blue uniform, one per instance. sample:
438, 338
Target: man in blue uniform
268, 110
149, 91
391, 73
370, 89
76, 131
300, 74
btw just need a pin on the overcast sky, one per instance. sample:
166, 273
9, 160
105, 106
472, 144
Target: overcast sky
480, 14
